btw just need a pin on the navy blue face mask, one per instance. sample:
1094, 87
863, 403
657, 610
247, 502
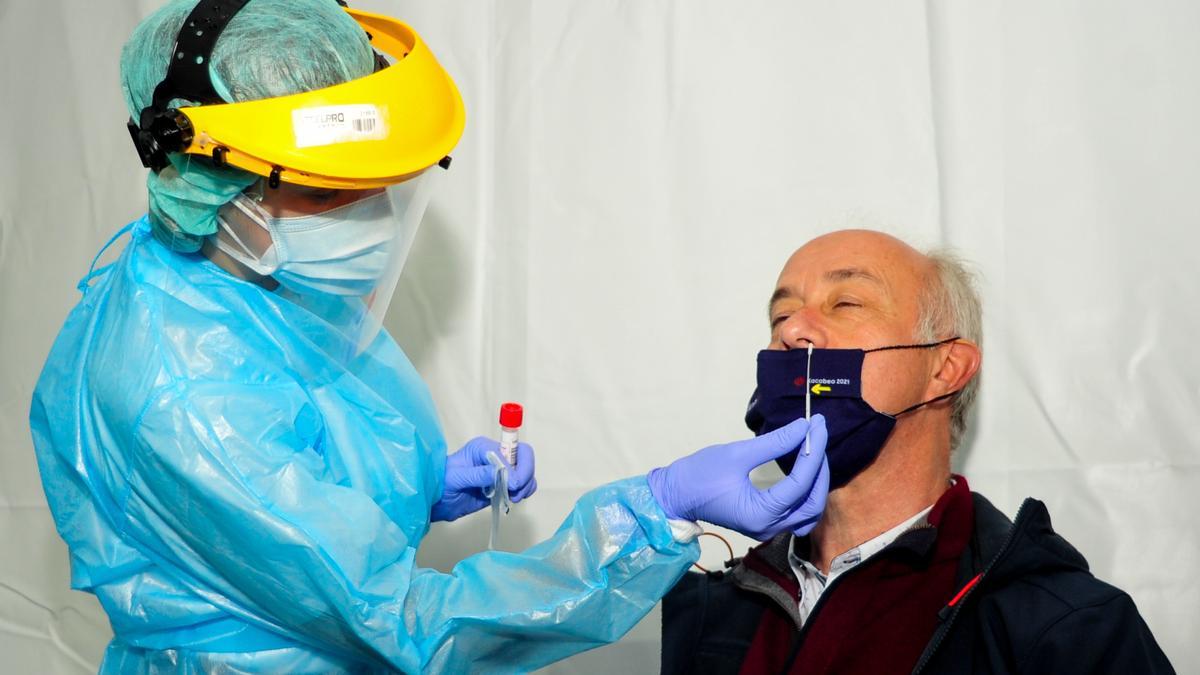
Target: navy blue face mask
857, 431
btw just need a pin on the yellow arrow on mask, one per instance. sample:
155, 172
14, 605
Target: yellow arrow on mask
820, 388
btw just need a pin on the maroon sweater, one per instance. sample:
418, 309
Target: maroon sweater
878, 616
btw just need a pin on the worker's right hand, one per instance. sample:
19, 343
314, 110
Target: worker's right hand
469, 474
714, 485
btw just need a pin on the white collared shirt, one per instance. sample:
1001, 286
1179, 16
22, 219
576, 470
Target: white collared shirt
813, 583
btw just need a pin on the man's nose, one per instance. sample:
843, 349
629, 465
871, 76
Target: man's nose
800, 329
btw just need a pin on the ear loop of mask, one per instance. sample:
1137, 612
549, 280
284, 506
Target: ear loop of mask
246, 256
943, 397
253, 210
930, 345
257, 191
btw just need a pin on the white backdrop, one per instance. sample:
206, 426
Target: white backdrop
632, 178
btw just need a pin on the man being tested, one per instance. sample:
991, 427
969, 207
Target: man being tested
907, 569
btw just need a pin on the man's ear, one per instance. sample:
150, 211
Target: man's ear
958, 365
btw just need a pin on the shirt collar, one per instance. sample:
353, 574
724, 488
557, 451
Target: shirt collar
847, 560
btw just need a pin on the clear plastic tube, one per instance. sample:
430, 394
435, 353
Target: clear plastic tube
511, 416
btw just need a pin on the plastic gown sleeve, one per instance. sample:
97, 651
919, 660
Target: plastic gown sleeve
223, 493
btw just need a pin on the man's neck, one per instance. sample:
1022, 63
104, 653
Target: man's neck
897, 486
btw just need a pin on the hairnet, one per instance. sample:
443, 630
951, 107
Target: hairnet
270, 48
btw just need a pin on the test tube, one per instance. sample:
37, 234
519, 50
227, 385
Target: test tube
511, 416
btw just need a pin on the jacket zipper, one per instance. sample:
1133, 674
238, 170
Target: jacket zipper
799, 641
962, 601
821, 601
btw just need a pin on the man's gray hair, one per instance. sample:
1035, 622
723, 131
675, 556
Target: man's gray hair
950, 307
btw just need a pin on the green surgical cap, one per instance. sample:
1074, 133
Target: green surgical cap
270, 48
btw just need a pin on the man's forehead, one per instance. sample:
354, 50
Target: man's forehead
860, 255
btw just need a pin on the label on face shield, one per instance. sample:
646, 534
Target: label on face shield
332, 124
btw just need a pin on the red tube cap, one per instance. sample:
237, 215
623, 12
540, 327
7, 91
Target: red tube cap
511, 415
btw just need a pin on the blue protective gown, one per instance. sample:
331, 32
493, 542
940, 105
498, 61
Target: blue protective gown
243, 494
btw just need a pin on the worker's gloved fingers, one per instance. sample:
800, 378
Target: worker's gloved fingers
468, 475
527, 491
795, 488
477, 449
773, 445
803, 517
459, 505
521, 475
471, 477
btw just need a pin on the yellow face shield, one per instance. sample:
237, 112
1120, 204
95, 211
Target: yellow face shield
372, 132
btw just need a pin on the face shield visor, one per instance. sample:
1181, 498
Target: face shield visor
342, 263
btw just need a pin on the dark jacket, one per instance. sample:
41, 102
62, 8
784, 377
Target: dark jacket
1035, 608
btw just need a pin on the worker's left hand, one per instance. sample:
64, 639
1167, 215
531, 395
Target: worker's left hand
469, 473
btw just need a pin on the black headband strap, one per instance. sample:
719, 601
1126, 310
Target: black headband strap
187, 76
158, 130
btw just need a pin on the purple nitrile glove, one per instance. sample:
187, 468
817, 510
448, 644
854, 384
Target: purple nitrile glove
714, 485
469, 474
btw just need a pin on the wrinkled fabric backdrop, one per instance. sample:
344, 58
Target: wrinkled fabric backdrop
632, 178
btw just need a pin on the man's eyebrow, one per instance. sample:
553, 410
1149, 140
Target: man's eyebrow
844, 274
852, 273
779, 294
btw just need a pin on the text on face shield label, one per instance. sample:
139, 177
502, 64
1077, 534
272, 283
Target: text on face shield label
327, 125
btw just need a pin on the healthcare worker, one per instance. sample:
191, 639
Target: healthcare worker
243, 463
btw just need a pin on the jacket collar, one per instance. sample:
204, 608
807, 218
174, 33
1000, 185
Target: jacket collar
765, 568
1005, 549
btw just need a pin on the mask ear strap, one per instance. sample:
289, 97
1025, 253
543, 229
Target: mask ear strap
245, 252
245, 256
943, 397
253, 210
929, 345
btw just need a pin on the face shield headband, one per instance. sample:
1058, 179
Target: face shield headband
797, 382
367, 133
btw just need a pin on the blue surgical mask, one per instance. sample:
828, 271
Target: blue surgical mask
343, 251
857, 432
